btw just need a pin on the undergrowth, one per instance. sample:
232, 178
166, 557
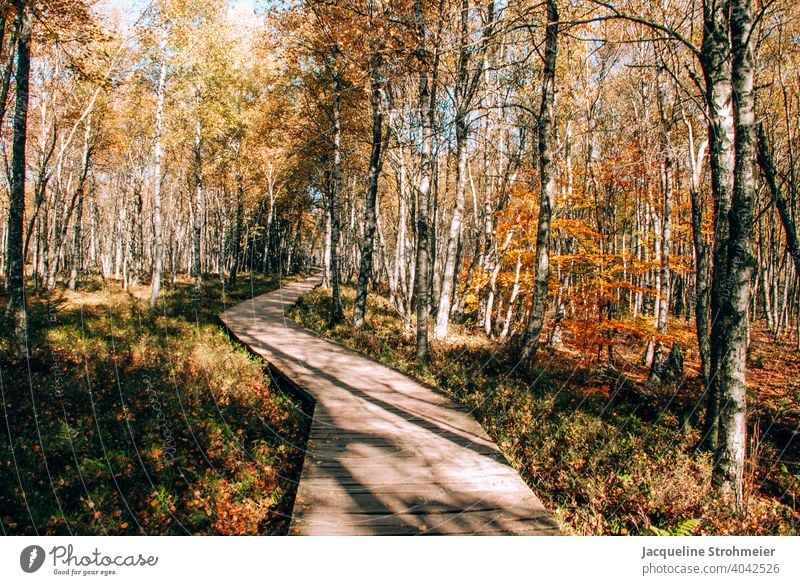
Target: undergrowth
127, 421
604, 460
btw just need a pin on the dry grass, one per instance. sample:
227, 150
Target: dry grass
607, 453
126, 421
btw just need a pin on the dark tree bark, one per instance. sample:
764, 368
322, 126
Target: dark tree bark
61, 226
39, 197
17, 309
337, 311
530, 342
236, 243
767, 165
77, 242
375, 159
76, 263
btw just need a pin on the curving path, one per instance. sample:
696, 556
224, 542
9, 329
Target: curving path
386, 455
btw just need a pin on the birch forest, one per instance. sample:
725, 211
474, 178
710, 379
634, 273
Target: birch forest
577, 218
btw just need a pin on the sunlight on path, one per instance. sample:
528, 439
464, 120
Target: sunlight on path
385, 455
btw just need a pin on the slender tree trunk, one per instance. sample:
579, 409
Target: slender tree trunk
119, 213
466, 88
199, 204
39, 200
547, 169
238, 227
512, 299
158, 155
326, 253
60, 228
77, 244
716, 63
401, 260
268, 244
497, 264
17, 309
454, 236
767, 165
423, 189
385, 259
126, 229
701, 309
375, 159
735, 289
337, 311
138, 250
666, 232
8, 66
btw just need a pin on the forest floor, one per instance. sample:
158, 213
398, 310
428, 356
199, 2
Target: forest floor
127, 421
607, 452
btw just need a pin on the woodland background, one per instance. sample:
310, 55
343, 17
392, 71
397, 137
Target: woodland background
578, 217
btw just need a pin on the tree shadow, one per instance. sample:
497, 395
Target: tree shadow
107, 430
385, 455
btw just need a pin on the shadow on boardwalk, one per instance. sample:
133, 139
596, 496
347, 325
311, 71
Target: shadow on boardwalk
386, 455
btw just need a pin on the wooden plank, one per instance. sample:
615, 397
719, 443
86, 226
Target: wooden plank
385, 455
461, 523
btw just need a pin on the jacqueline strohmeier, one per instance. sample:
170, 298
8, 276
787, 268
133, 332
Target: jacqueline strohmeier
711, 551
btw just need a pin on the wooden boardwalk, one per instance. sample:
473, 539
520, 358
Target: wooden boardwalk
385, 454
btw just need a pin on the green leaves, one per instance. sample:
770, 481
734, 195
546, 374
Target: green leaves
686, 527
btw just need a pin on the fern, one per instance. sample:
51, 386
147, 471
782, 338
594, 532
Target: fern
683, 528
67, 436
686, 527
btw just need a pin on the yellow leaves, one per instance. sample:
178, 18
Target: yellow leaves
576, 228
627, 286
